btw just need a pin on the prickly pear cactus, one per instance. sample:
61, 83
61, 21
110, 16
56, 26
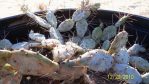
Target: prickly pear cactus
106, 45
122, 57
36, 36
55, 34
66, 25
139, 63
50, 43
20, 45
121, 21
145, 78
133, 76
97, 34
88, 43
39, 20
80, 14
5, 43
109, 32
81, 27
51, 18
75, 39
97, 60
135, 49
119, 41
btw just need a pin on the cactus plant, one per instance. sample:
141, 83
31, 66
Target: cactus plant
75, 39
50, 43
51, 18
36, 36
139, 63
135, 49
97, 60
121, 21
122, 57
66, 25
109, 32
88, 43
20, 45
55, 34
106, 45
5, 43
119, 41
126, 70
81, 27
145, 78
97, 34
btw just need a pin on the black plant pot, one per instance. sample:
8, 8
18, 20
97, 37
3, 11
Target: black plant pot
16, 29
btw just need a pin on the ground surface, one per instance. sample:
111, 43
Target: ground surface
12, 7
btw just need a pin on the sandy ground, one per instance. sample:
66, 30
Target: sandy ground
12, 7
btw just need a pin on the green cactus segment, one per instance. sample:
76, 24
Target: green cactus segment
119, 41
66, 25
5, 43
5, 54
109, 32
145, 78
55, 34
88, 43
121, 21
51, 18
97, 34
106, 45
140, 63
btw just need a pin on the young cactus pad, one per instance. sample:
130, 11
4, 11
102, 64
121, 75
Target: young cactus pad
124, 69
109, 32
36, 36
20, 45
121, 21
122, 57
39, 20
81, 27
66, 25
135, 49
97, 34
97, 60
5, 43
145, 78
80, 14
139, 63
51, 18
119, 41
88, 43
106, 45
55, 34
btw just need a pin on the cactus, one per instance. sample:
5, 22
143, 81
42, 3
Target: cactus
135, 49
122, 57
50, 43
145, 78
20, 45
39, 20
5, 43
51, 18
28, 62
66, 25
109, 32
75, 39
121, 21
133, 76
106, 45
63, 52
80, 14
139, 63
97, 60
119, 41
81, 27
36, 36
55, 34
97, 34
88, 43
